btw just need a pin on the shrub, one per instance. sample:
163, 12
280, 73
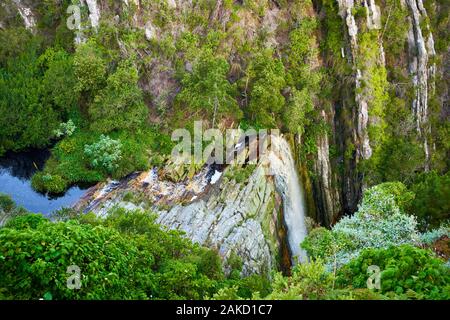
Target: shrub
405, 270
125, 256
51, 183
309, 281
105, 154
378, 223
207, 89
120, 105
89, 68
36, 253
266, 79
431, 205
65, 129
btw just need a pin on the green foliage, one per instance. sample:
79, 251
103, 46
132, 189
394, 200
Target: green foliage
59, 82
35, 258
240, 174
65, 129
105, 154
70, 162
120, 104
309, 281
207, 91
322, 243
27, 120
374, 87
8, 209
394, 34
406, 270
89, 68
296, 112
303, 55
379, 223
264, 80
431, 205
16, 41
126, 256
51, 183
385, 198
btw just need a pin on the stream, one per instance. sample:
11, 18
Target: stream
16, 170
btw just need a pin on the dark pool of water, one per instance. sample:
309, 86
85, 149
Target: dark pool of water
16, 170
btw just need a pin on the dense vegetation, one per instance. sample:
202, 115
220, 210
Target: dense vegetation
128, 256
106, 108
125, 256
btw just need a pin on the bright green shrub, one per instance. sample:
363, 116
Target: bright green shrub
404, 270
105, 154
35, 257
206, 90
89, 68
266, 79
120, 105
45, 182
309, 281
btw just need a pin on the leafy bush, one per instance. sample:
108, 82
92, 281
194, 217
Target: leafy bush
296, 111
69, 161
378, 223
111, 265
126, 256
59, 81
89, 68
105, 154
206, 90
431, 205
120, 105
27, 120
265, 80
65, 129
45, 182
309, 281
405, 269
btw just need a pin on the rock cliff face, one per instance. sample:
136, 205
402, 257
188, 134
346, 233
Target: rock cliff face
245, 219
367, 59
422, 70
24, 9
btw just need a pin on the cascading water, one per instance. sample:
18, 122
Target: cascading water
283, 169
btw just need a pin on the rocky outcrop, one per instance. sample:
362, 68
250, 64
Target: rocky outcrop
26, 13
328, 202
421, 49
364, 57
361, 65
216, 211
94, 12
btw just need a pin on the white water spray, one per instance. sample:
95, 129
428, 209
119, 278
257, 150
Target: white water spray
283, 168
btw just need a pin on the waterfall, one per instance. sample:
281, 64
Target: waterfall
283, 168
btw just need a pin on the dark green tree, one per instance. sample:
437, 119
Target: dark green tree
207, 91
120, 105
264, 81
